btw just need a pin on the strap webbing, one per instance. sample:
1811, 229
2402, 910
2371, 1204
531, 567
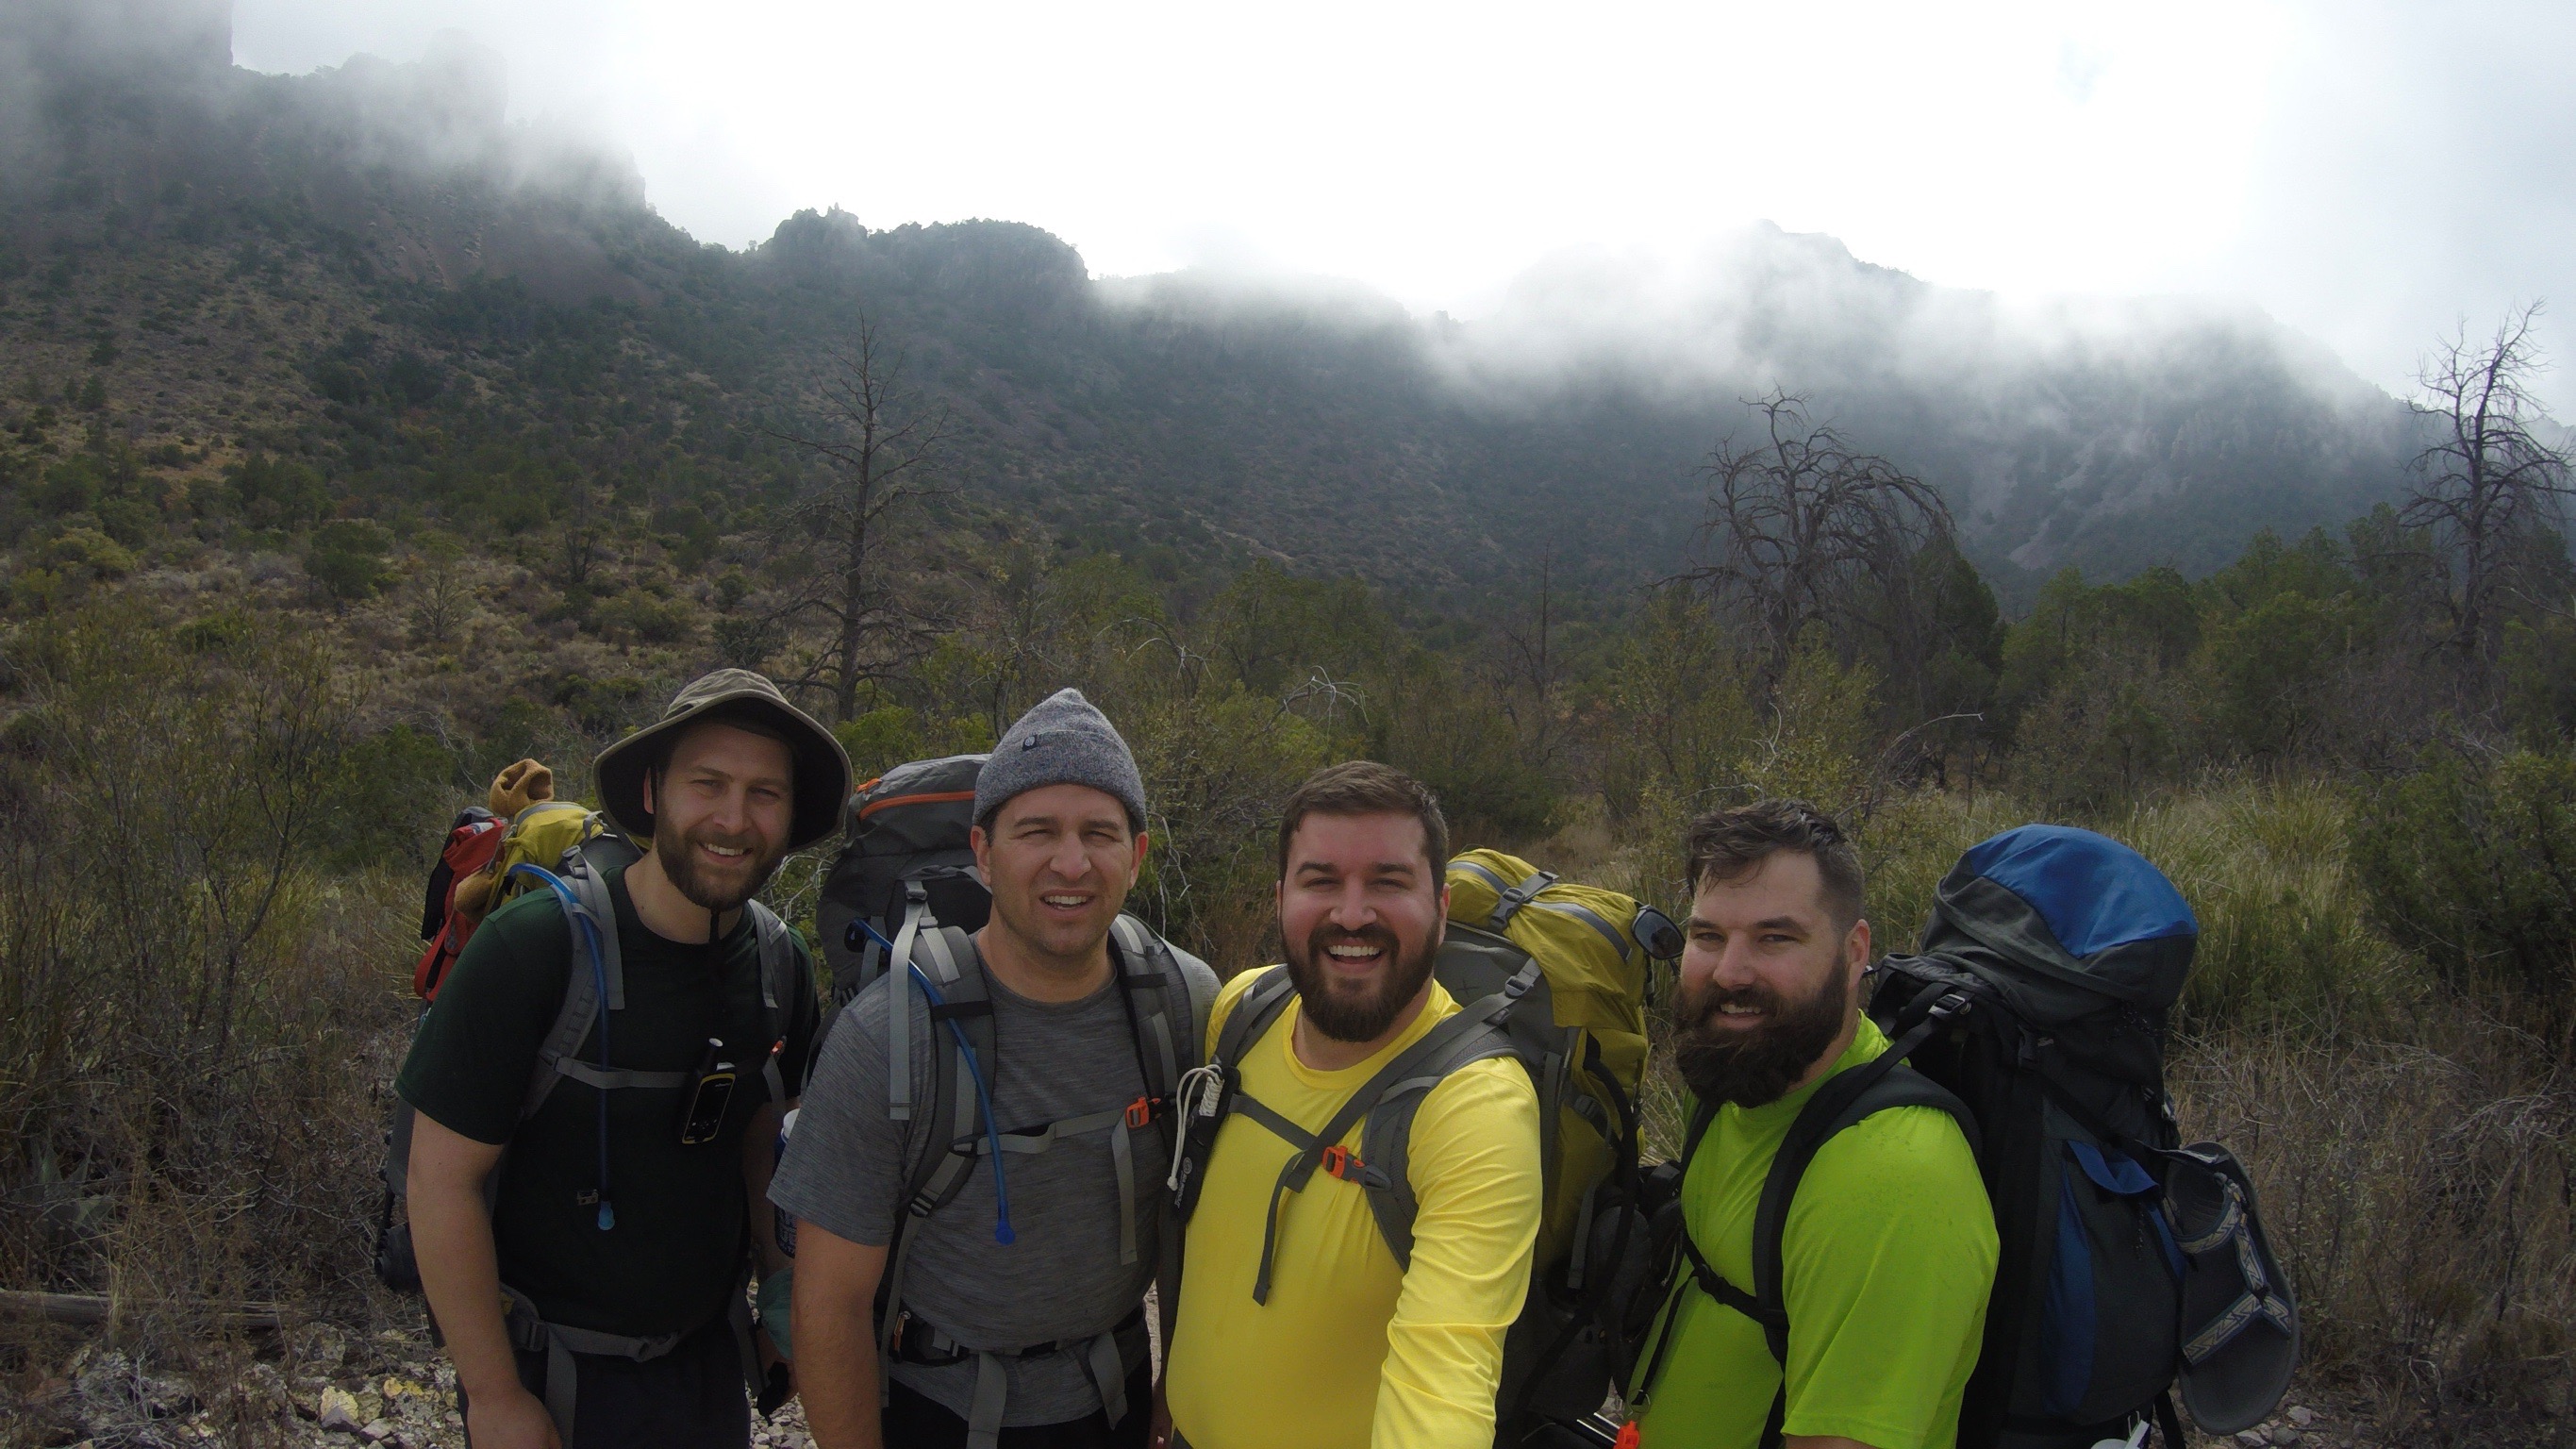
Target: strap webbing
899, 1009
1103, 1356
610, 1081
559, 1342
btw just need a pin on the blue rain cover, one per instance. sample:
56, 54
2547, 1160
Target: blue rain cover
2093, 892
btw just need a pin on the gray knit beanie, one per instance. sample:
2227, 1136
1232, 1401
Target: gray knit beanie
1062, 740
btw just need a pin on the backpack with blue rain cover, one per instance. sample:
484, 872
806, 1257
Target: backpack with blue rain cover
2036, 1014
2048, 967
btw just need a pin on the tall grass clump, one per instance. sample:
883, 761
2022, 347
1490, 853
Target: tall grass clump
2286, 934
2417, 1188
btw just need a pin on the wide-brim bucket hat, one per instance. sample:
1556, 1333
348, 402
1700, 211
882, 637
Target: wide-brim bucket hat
822, 768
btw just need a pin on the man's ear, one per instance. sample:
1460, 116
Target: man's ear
1856, 946
982, 844
1136, 864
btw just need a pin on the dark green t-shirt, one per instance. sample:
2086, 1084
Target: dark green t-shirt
679, 1236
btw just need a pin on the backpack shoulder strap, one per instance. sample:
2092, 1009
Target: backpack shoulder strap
1254, 1011
964, 1005
1160, 998
1386, 1133
946, 1138
594, 975
1856, 1095
778, 987
1466, 1036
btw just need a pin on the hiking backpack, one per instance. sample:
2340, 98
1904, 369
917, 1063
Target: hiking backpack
904, 896
2035, 1014
1553, 976
907, 827
482, 844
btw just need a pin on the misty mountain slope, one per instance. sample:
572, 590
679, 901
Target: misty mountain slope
370, 270
2111, 435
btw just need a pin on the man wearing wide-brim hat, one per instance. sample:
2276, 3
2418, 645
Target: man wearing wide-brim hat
590, 1293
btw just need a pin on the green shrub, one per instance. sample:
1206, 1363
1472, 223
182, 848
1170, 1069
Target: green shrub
130, 521
2474, 865
653, 619
392, 799
880, 739
85, 553
348, 558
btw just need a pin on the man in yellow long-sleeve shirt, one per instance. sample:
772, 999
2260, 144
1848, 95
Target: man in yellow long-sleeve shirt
1298, 1324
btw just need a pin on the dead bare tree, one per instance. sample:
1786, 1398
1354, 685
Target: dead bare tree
1808, 529
878, 446
2486, 483
1532, 665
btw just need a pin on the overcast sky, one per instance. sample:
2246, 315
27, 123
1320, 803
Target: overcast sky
2369, 172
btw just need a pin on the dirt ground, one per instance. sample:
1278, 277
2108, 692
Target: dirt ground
318, 1388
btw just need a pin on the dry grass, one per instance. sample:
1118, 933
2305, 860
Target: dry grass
2418, 1191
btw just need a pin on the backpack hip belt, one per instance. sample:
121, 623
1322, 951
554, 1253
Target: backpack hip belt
531, 1333
1104, 1357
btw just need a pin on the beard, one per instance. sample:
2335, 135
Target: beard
712, 889
1363, 1014
1756, 1066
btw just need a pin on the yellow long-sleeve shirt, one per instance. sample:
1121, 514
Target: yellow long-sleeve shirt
1351, 1350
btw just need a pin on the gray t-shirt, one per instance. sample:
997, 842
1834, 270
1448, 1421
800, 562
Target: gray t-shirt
1060, 1277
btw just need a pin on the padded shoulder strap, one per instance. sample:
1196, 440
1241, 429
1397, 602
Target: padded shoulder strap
778, 987
938, 1173
1860, 1093
591, 889
1386, 1134
1160, 998
593, 960
1254, 1011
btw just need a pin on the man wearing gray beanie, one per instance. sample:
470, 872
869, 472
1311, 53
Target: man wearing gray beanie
1015, 1267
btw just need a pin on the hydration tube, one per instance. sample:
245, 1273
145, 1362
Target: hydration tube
589, 932
1002, 1232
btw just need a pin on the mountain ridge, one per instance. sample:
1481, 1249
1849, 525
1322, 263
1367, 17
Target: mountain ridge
1302, 419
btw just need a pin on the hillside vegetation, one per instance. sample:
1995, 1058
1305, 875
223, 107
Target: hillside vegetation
347, 461
367, 273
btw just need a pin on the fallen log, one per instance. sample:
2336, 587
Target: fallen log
94, 1308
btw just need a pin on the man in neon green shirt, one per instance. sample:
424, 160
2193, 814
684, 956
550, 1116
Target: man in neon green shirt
1888, 1248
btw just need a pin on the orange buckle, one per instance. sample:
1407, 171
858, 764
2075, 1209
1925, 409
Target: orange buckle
1339, 1161
1628, 1435
1140, 1113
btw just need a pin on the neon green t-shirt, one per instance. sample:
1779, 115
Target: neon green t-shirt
1886, 1260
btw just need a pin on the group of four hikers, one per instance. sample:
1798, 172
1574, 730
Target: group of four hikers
585, 1262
